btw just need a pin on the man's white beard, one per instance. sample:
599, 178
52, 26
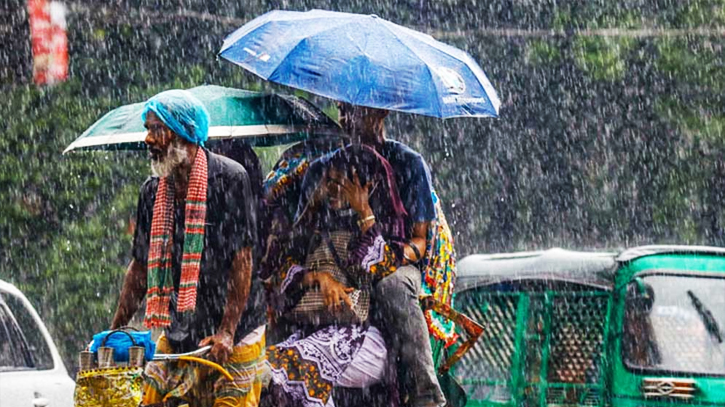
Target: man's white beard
175, 156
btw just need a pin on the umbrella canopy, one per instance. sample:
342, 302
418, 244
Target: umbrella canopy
363, 60
266, 119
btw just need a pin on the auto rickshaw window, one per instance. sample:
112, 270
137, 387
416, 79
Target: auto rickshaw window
13, 353
675, 323
39, 350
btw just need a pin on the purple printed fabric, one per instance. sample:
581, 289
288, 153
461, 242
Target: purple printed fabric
293, 272
370, 364
305, 369
376, 255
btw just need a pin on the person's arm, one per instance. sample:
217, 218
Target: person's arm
240, 280
239, 283
376, 255
419, 240
288, 279
416, 188
134, 289
240, 226
135, 282
282, 269
334, 294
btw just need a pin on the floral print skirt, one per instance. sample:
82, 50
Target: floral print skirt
304, 369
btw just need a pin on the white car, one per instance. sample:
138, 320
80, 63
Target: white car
31, 370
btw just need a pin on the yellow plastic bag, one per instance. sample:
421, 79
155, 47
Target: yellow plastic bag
115, 386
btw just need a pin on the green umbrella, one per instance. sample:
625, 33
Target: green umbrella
264, 119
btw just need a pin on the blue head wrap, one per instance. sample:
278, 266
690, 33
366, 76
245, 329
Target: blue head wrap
182, 112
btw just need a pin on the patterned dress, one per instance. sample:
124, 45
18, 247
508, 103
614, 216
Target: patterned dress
307, 365
438, 266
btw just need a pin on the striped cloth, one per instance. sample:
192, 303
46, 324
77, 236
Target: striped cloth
160, 280
202, 386
311, 307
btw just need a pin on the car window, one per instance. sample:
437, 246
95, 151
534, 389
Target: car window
34, 338
674, 323
13, 353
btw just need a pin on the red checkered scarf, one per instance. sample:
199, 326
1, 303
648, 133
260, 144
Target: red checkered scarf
160, 280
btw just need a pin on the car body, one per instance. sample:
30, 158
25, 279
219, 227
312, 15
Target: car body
31, 370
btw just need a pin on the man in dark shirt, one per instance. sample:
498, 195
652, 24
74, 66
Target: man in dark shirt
225, 308
396, 296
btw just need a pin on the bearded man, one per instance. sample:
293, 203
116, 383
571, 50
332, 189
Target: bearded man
192, 258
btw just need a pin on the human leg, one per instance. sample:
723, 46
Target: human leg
168, 380
399, 312
305, 368
369, 364
246, 365
156, 374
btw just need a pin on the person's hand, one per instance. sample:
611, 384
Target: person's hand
334, 294
356, 194
222, 346
318, 196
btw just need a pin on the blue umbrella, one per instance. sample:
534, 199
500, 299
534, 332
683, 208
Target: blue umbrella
363, 60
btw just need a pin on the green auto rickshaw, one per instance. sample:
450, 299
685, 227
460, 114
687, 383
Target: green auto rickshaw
640, 328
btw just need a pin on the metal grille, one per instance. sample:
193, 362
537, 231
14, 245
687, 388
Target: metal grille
577, 338
535, 341
552, 358
585, 397
486, 369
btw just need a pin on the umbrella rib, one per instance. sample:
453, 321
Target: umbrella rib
425, 63
238, 33
465, 59
276, 69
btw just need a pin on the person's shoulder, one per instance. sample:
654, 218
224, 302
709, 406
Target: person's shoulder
147, 192
400, 152
397, 148
224, 167
149, 186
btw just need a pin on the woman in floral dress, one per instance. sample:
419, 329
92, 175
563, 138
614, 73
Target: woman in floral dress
348, 234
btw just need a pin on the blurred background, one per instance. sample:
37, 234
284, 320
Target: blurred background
610, 133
